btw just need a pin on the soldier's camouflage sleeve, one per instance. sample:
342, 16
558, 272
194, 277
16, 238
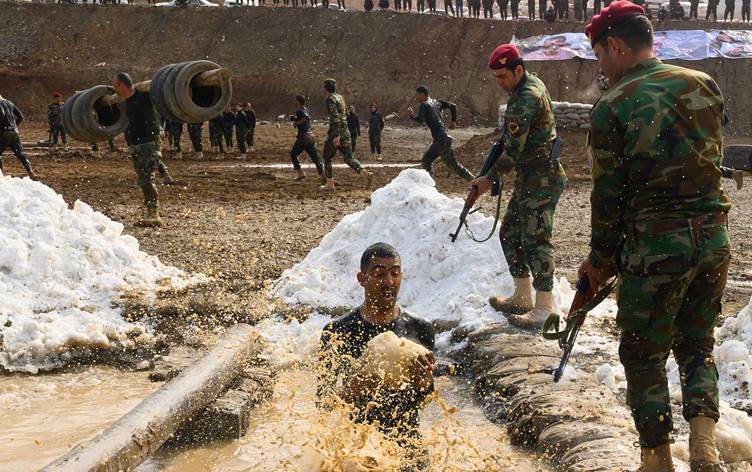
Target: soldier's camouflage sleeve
519, 116
334, 122
609, 175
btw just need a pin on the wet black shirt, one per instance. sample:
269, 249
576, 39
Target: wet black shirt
142, 119
353, 124
344, 340
376, 122
242, 119
429, 112
302, 121
228, 120
10, 115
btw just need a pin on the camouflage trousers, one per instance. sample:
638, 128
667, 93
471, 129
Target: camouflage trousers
443, 149
147, 158
527, 226
330, 150
669, 297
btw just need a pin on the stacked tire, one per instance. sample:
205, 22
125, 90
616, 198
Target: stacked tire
87, 119
177, 97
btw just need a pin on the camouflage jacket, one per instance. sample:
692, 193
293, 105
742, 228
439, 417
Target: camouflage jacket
54, 113
656, 141
529, 129
337, 110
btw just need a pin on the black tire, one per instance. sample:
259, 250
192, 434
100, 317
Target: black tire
184, 93
157, 92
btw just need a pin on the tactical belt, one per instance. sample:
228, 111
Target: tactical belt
669, 226
543, 162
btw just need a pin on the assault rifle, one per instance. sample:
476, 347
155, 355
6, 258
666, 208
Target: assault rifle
493, 155
585, 299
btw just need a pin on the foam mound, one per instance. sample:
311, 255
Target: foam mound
61, 270
442, 280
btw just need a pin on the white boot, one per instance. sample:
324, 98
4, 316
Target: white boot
521, 300
544, 305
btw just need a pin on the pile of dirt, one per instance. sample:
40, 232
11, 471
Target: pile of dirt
277, 53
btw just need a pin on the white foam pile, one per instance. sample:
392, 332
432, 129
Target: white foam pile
733, 354
442, 281
60, 271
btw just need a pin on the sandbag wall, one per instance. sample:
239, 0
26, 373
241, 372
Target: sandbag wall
568, 115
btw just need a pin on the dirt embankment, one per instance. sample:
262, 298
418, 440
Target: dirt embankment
277, 53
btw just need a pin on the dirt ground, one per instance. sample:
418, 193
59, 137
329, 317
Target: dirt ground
244, 225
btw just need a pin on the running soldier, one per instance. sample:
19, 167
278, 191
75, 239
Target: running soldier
55, 120
429, 113
375, 127
10, 118
338, 137
528, 147
659, 223
305, 141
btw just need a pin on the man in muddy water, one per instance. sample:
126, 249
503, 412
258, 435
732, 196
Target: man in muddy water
344, 340
659, 223
143, 137
338, 137
527, 147
429, 113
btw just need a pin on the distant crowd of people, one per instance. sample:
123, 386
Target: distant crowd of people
547, 10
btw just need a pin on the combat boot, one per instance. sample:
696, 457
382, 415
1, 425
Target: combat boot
656, 459
520, 302
167, 179
703, 455
301, 175
367, 178
32, 175
322, 179
198, 155
152, 219
329, 186
544, 305
178, 155
241, 156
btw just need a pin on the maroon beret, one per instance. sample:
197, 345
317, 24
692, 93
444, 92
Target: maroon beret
611, 16
57, 95
503, 55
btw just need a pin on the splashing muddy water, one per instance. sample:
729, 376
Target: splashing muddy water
283, 433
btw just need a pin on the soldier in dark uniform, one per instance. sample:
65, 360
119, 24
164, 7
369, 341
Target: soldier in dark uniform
195, 130
712, 10
54, 120
474, 6
503, 8
515, 6
144, 140
694, 6
541, 10
432, 6
242, 123
429, 113
375, 127
448, 6
531, 9
397, 5
353, 125
488, 8
175, 130
10, 118
228, 123
745, 11
216, 133
248, 109
728, 13
597, 7
305, 141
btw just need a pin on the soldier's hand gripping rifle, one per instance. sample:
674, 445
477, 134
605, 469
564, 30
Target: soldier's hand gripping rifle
585, 299
493, 155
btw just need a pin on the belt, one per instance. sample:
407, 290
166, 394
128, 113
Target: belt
668, 226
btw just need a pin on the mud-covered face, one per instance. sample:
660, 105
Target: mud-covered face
381, 282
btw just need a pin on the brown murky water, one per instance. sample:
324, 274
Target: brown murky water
44, 416
280, 434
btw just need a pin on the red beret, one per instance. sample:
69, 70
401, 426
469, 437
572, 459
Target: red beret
503, 55
57, 95
610, 16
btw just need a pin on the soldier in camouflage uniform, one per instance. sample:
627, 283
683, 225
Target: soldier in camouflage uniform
338, 137
429, 113
55, 121
528, 138
659, 221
